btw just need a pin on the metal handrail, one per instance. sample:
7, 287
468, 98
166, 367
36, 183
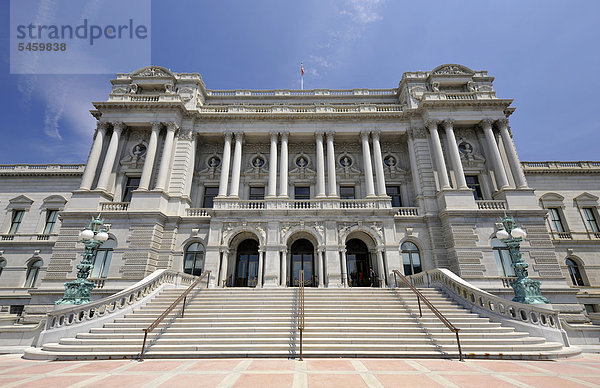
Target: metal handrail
433, 309
181, 297
301, 309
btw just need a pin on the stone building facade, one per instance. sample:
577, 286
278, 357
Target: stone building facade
255, 185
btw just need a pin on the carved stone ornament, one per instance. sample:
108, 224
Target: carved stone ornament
346, 165
301, 166
136, 156
213, 166
417, 92
418, 133
119, 90
377, 230
153, 72
186, 94
453, 69
186, 134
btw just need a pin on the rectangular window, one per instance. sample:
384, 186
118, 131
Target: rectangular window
257, 193
555, 220
347, 192
590, 219
51, 218
394, 192
473, 184
132, 184
17, 217
301, 192
209, 195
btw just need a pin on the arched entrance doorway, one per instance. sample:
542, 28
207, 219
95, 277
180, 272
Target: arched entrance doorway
246, 264
303, 257
358, 262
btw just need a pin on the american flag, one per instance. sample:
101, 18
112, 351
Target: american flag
302, 68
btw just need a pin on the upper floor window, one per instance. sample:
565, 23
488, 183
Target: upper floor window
17, 218
347, 192
473, 184
394, 193
209, 195
257, 193
194, 259
51, 218
2, 265
102, 259
301, 192
132, 184
33, 272
411, 258
556, 220
574, 273
503, 260
590, 219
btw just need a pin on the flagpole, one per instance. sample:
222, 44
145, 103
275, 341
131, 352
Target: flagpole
301, 76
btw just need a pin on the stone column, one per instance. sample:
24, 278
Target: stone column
111, 155
439, 155
413, 165
283, 168
461, 182
165, 161
237, 166
92, 164
344, 267
378, 164
225, 166
320, 269
511, 152
331, 165
283, 268
261, 263
272, 185
150, 156
501, 178
192, 166
381, 270
364, 137
224, 263
320, 166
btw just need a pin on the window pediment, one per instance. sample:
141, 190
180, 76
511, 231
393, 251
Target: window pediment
21, 202
586, 200
552, 200
54, 202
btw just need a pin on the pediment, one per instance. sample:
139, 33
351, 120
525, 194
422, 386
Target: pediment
586, 199
452, 69
54, 201
552, 197
153, 71
21, 200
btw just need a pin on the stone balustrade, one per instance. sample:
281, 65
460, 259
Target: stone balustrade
407, 212
121, 301
197, 212
458, 96
23, 237
239, 109
559, 166
114, 206
487, 204
302, 93
535, 319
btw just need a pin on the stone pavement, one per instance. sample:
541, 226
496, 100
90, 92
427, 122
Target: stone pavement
582, 371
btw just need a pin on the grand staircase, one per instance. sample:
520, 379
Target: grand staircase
246, 322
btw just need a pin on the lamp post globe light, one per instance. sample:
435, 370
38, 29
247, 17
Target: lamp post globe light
526, 290
78, 291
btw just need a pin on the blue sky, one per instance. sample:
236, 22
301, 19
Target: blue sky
544, 54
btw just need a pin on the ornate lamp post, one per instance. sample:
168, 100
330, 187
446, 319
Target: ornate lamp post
526, 290
78, 291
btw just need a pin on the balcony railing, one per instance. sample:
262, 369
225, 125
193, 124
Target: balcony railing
197, 212
114, 206
491, 204
21, 237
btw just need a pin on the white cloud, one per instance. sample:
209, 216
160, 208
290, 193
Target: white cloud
363, 11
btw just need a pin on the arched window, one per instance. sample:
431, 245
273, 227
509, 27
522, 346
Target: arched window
33, 271
503, 260
194, 259
2, 265
575, 273
411, 258
102, 259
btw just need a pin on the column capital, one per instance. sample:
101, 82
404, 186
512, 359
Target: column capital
330, 134
172, 126
284, 134
502, 123
118, 126
431, 124
156, 125
364, 134
448, 123
228, 135
375, 134
273, 134
319, 134
102, 126
239, 135
485, 123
